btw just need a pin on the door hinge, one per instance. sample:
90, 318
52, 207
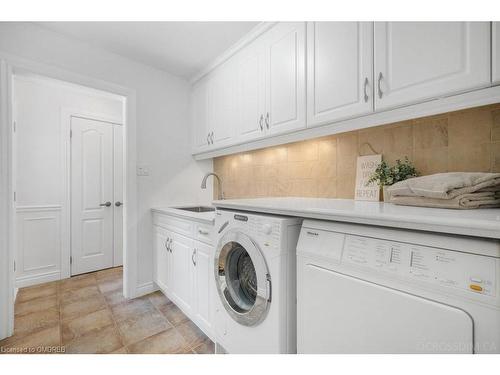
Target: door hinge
70, 259
14, 126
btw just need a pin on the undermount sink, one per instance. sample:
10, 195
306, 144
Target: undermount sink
197, 208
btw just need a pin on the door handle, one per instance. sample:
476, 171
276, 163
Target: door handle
364, 89
380, 77
118, 204
107, 204
267, 120
166, 244
192, 257
212, 138
260, 122
170, 246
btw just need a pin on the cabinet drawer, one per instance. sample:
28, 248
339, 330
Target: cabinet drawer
171, 223
204, 233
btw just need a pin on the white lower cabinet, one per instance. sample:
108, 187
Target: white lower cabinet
203, 285
183, 267
162, 259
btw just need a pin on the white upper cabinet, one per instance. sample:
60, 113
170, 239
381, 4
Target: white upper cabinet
199, 116
495, 52
285, 78
417, 61
251, 93
339, 71
222, 105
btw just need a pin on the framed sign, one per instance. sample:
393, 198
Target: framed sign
366, 165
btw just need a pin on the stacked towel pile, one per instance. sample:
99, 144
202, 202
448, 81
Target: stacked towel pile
457, 190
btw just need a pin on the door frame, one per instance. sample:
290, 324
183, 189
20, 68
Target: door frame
9, 65
67, 113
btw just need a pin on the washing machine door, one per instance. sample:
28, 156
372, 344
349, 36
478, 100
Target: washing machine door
242, 278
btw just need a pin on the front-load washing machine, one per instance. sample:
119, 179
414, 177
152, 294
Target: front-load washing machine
255, 276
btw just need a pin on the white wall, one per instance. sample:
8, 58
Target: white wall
42, 170
162, 120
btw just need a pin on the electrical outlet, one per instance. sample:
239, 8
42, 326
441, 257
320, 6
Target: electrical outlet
143, 170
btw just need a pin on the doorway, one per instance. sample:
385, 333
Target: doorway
68, 168
96, 195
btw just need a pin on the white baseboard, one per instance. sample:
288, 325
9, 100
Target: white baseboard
25, 281
146, 288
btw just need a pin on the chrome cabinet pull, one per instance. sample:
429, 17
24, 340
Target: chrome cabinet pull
364, 89
203, 231
380, 77
260, 122
166, 244
118, 204
107, 204
208, 138
192, 257
267, 120
170, 245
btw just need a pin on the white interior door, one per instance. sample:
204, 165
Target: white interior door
415, 61
118, 195
91, 195
339, 70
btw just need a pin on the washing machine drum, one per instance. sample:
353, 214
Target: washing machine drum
242, 278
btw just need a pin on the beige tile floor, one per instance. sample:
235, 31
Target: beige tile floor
88, 314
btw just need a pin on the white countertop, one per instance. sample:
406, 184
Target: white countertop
204, 217
478, 222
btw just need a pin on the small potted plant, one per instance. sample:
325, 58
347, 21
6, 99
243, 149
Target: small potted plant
386, 175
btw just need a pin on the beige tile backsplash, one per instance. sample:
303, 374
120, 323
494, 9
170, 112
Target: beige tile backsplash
467, 140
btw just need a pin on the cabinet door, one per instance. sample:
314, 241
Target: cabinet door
182, 248
417, 61
251, 93
199, 116
339, 71
495, 44
161, 259
222, 103
285, 78
203, 286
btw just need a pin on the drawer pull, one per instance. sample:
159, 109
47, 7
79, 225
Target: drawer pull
312, 233
203, 231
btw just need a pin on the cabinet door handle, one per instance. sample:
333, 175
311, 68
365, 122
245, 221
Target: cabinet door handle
203, 231
260, 122
267, 120
364, 89
166, 244
208, 138
192, 257
380, 78
212, 137
107, 204
170, 245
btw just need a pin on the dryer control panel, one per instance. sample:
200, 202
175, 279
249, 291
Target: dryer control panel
474, 273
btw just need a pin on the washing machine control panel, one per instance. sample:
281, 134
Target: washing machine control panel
474, 273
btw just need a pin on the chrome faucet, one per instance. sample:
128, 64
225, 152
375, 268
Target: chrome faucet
204, 183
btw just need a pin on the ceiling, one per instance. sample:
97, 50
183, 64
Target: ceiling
180, 48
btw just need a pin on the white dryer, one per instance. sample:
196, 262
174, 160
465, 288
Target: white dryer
365, 289
255, 276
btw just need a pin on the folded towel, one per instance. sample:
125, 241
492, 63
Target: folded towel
464, 201
446, 185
